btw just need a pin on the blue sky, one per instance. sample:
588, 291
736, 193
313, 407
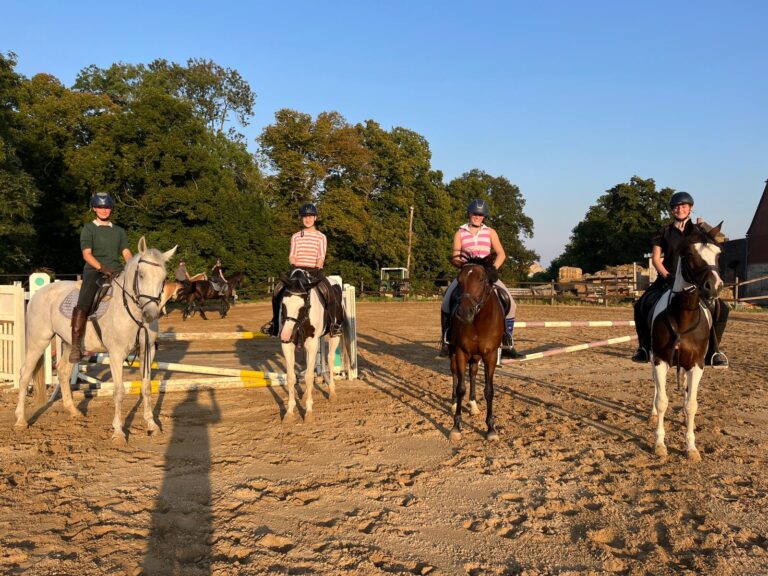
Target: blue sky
565, 98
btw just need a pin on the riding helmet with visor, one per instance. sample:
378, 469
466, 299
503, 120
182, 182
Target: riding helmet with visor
478, 206
102, 200
308, 209
680, 198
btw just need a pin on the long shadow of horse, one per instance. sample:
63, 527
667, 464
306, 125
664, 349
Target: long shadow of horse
182, 521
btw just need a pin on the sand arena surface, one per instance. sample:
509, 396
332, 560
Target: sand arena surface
373, 486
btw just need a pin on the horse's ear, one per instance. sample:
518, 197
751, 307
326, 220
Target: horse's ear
169, 254
716, 230
142, 245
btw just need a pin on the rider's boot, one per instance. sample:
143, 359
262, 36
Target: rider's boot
271, 327
445, 319
640, 355
715, 357
79, 320
508, 343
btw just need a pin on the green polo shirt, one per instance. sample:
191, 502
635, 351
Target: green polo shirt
106, 243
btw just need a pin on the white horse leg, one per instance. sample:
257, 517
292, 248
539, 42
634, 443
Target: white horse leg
310, 345
654, 415
116, 366
660, 403
31, 357
691, 405
146, 389
290, 377
64, 370
333, 345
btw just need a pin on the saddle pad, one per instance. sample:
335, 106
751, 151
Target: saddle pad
68, 305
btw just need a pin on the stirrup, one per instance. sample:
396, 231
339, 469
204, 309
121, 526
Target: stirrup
641, 356
718, 360
510, 353
267, 328
444, 350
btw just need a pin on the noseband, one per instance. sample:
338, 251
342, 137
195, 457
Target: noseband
476, 304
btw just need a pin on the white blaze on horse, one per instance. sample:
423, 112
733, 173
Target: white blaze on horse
303, 324
130, 318
680, 329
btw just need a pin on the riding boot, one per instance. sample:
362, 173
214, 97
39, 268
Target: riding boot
508, 343
79, 320
271, 328
641, 354
445, 326
715, 357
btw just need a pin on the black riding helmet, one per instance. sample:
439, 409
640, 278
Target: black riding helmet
478, 206
680, 198
308, 209
102, 200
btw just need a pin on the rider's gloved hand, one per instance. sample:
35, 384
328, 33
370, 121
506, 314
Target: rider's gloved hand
493, 274
106, 271
670, 280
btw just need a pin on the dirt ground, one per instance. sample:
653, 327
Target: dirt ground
374, 486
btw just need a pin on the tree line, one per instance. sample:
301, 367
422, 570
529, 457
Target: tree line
164, 140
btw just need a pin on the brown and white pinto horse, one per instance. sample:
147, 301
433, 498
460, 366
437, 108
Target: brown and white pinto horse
680, 330
477, 327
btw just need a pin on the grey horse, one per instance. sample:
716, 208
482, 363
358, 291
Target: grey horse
130, 317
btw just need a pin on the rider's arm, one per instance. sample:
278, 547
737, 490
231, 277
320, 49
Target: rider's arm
127, 254
501, 256
658, 263
90, 259
456, 255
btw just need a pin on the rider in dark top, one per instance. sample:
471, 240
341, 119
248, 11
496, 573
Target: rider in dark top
102, 243
670, 242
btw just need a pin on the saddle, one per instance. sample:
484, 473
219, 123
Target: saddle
100, 303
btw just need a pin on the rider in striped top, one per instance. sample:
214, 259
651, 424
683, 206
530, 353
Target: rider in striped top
308, 249
478, 240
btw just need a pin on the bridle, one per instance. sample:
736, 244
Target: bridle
476, 304
136, 299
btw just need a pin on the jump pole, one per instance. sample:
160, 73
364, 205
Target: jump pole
195, 369
192, 336
575, 323
568, 349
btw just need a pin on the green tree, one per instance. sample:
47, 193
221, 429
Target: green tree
507, 217
618, 228
20, 196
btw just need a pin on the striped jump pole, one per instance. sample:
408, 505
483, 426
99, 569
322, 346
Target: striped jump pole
574, 324
568, 349
95, 387
195, 369
192, 336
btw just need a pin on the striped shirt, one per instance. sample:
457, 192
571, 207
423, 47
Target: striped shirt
308, 248
477, 245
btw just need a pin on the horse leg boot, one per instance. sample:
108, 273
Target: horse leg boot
79, 319
507, 342
445, 325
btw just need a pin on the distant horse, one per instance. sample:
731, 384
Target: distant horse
680, 329
131, 318
172, 291
202, 290
303, 324
477, 327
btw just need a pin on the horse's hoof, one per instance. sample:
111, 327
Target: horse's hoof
661, 450
75, 414
332, 396
309, 416
693, 455
21, 424
492, 436
289, 418
118, 439
473, 409
155, 431
455, 435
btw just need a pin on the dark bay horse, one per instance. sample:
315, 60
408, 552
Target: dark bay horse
200, 291
680, 330
477, 327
